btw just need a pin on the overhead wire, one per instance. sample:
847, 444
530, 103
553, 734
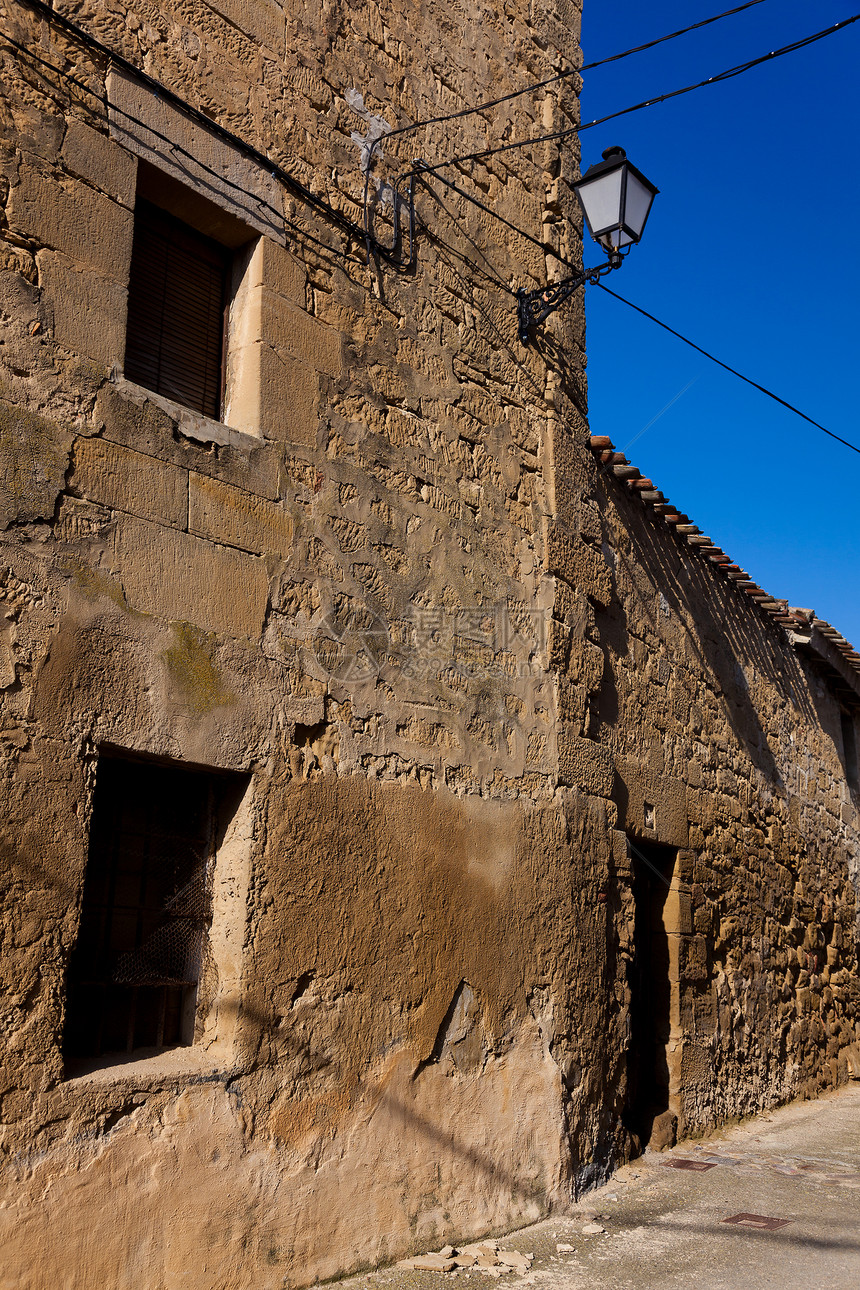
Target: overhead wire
347, 225
290, 181
719, 77
294, 185
559, 76
503, 341
672, 331
176, 149
373, 244
475, 201
719, 362
424, 168
672, 35
434, 169
488, 274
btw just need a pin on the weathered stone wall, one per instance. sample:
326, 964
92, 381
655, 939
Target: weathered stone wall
448, 668
727, 745
340, 594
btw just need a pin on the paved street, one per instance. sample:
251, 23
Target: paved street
665, 1222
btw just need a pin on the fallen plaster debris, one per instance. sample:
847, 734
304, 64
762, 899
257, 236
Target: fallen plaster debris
486, 1257
431, 1263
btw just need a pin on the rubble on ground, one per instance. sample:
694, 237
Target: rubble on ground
485, 1257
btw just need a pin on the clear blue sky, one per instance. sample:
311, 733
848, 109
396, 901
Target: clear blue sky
751, 252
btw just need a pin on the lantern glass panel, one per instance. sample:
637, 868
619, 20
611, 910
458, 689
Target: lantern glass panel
601, 200
638, 204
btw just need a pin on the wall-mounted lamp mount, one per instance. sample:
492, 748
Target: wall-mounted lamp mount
616, 200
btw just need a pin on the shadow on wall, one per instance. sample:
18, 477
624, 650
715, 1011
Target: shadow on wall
728, 637
460, 1030
38, 874
492, 1170
472, 292
379, 1098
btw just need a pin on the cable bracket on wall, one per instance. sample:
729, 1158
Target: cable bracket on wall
392, 254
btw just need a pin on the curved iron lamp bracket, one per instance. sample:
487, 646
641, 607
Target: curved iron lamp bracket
534, 306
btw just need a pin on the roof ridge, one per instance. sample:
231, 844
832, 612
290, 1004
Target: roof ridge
698, 543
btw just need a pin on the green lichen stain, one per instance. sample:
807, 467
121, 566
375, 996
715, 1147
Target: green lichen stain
34, 454
96, 585
189, 662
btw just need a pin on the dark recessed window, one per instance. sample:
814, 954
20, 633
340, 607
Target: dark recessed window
133, 974
177, 297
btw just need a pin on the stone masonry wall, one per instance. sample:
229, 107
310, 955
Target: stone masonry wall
339, 596
740, 764
440, 664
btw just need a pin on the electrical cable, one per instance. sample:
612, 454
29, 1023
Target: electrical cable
542, 246
672, 35
488, 274
373, 244
726, 75
289, 181
277, 171
260, 202
560, 76
422, 168
503, 343
733, 371
729, 73
764, 390
176, 149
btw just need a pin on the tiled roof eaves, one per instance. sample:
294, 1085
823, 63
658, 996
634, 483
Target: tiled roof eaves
790, 618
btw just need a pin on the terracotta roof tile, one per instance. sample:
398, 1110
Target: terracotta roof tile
700, 546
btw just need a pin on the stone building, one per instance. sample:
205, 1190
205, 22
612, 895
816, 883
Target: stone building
407, 811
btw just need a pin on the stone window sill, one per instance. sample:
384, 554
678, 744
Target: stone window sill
191, 424
148, 1066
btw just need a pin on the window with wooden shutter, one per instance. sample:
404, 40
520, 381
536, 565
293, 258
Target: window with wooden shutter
177, 297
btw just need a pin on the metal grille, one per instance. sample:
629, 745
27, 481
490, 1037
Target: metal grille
170, 954
146, 904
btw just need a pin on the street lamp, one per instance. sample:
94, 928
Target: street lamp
616, 201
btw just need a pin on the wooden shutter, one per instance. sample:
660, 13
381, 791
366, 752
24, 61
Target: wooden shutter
176, 301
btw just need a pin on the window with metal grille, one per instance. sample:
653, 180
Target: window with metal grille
177, 298
133, 974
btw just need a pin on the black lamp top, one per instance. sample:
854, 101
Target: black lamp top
613, 158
